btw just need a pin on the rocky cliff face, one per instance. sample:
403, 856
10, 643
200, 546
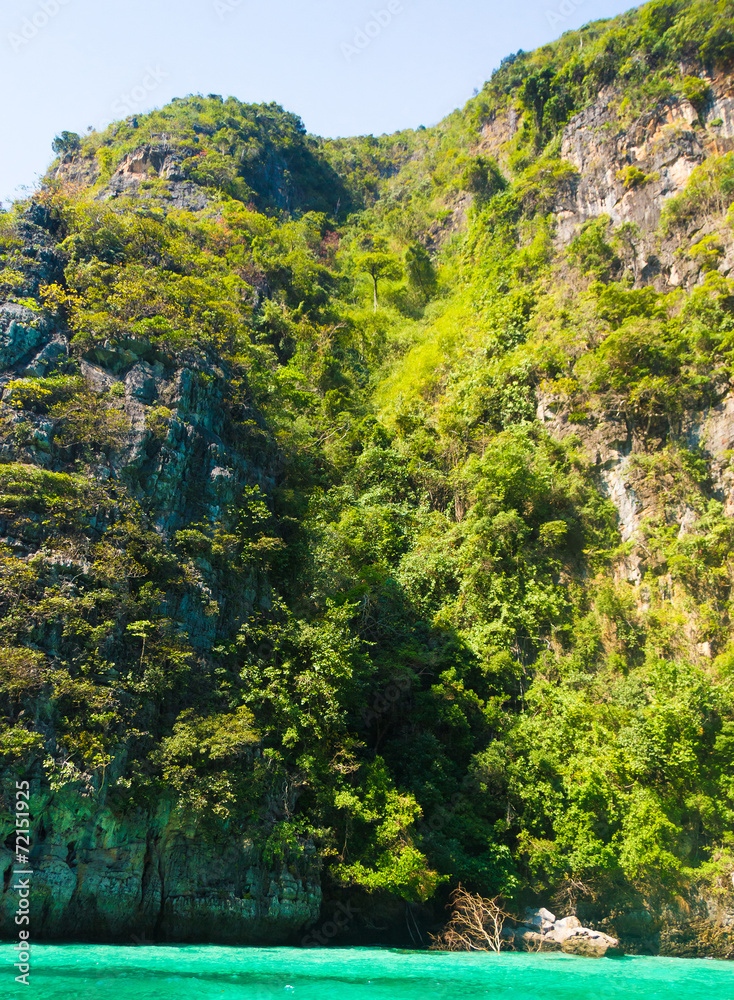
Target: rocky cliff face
665, 145
160, 161
628, 172
104, 870
102, 876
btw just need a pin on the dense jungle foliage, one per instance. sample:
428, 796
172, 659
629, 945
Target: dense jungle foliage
406, 633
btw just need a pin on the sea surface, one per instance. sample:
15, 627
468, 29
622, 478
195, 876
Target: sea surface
91, 972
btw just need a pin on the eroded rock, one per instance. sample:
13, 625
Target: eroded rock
540, 931
540, 918
591, 944
154, 877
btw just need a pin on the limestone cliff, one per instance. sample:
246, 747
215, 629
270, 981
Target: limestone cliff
102, 875
338, 475
105, 870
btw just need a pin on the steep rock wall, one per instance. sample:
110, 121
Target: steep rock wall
106, 869
100, 875
665, 145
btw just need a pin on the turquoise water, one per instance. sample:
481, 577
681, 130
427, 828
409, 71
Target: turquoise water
83, 972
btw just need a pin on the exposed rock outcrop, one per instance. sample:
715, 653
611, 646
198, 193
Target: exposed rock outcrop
104, 869
159, 161
151, 875
540, 931
665, 145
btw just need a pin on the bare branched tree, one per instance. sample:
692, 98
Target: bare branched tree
476, 924
568, 894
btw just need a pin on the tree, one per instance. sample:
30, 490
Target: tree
475, 925
67, 142
536, 92
379, 264
482, 178
545, 97
420, 270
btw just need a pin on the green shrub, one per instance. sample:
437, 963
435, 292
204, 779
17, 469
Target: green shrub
592, 252
39, 394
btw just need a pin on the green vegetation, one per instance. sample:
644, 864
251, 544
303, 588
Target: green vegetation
708, 192
67, 142
405, 583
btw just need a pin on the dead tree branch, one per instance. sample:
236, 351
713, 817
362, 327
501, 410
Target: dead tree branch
475, 925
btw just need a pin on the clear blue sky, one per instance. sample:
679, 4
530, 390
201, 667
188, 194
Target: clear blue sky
68, 64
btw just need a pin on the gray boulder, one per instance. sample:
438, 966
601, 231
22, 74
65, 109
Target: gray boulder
564, 929
539, 918
22, 332
540, 931
591, 944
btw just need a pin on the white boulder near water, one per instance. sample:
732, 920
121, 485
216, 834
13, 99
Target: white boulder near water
540, 931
